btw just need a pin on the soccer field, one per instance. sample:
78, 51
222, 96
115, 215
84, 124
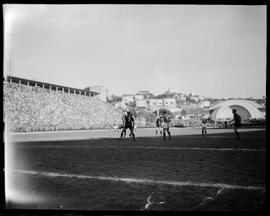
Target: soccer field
75, 170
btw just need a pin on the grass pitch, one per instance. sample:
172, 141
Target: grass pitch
187, 173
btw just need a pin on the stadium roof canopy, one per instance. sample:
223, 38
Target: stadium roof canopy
245, 108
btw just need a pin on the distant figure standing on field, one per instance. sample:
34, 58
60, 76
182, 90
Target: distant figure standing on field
115, 126
236, 123
128, 124
165, 123
204, 126
121, 126
158, 125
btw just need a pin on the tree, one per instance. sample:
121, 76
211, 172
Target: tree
133, 111
168, 112
131, 104
183, 112
149, 116
114, 99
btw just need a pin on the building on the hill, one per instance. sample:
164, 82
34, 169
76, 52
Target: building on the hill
128, 98
194, 98
139, 97
204, 104
172, 91
166, 103
182, 98
169, 103
155, 104
141, 103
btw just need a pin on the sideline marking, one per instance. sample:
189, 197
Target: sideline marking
149, 147
142, 181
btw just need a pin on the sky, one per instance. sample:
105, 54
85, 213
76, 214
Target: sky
212, 50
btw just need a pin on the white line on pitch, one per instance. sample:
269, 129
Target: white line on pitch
142, 181
148, 147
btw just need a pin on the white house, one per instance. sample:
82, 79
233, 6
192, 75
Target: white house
141, 103
139, 97
204, 104
182, 97
173, 90
194, 98
169, 102
155, 103
128, 98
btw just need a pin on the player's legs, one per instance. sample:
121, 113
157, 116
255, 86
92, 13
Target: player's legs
169, 133
120, 127
164, 127
164, 133
236, 132
132, 132
158, 129
203, 131
123, 132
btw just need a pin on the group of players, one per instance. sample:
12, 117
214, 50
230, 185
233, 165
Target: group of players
128, 122
163, 125
236, 122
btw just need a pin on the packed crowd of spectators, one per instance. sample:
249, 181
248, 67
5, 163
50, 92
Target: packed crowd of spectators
28, 108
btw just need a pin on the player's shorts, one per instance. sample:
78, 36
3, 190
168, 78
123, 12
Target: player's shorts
204, 125
129, 127
165, 125
237, 125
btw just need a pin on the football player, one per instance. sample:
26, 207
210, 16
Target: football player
165, 123
204, 126
236, 123
128, 124
158, 125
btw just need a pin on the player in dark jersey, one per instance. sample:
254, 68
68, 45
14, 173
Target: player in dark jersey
165, 123
128, 124
236, 123
158, 125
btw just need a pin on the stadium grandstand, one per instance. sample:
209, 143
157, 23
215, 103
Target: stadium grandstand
37, 106
51, 87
